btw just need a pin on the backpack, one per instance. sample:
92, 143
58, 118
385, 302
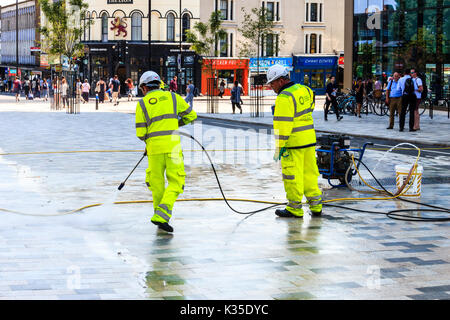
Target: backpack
409, 87
425, 89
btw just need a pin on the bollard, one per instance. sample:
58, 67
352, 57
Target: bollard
96, 101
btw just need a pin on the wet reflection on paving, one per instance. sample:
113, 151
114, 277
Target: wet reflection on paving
214, 253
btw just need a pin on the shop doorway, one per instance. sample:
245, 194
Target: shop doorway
121, 72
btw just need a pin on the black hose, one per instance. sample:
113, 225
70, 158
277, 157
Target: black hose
220, 186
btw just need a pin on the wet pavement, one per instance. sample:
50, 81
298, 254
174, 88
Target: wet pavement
112, 251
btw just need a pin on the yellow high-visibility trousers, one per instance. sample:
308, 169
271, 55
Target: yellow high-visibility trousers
300, 177
170, 164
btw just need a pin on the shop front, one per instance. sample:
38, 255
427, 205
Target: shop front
214, 70
259, 67
130, 60
390, 36
314, 71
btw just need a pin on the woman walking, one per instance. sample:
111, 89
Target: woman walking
45, 89
64, 89
85, 88
130, 87
101, 85
16, 88
236, 96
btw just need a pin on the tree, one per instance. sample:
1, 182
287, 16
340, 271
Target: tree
204, 36
257, 26
63, 30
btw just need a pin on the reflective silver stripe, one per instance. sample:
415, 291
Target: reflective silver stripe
303, 128
161, 133
174, 99
293, 98
301, 113
286, 177
165, 207
315, 203
295, 205
282, 137
283, 119
314, 198
143, 138
141, 125
184, 113
163, 117
144, 110
162, 215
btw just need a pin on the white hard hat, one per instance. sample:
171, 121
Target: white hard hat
149, 76
276, 71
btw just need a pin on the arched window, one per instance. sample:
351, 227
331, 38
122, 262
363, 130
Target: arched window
136, 26
104, 27
170, 27
313, 43
186, 24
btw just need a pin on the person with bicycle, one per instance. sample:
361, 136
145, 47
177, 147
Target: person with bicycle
331, 93
394, 98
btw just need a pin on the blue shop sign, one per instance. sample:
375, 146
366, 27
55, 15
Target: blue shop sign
319, 62
265, 63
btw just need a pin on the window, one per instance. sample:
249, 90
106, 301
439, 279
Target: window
170, 27
313, 17
223, 46
314, 12
320, 43
186, 24
224, 9
136, 27
269, 45
270, 11
313, 43
104, 28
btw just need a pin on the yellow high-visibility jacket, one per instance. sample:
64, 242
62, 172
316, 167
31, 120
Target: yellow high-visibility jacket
293, 122
158, 115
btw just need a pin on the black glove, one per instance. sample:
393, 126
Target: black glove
145, 152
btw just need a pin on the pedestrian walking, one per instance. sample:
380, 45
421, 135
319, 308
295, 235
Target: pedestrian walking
16, 88
236, 93
44, 89
408, 100
190, 94
64, 92
85, 89
394, 98
26, 88
115, 89
221, 88
331, 93
163, 148
359, 95
295, 140
2, 85
101, 85
130, 87
173, 87
418, 89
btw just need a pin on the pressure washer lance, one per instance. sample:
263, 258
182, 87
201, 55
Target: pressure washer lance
123, 183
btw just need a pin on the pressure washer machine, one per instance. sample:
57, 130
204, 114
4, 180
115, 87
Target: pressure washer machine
334, 158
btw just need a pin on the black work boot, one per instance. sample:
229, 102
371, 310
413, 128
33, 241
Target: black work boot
163, 225
286, 214
316, 214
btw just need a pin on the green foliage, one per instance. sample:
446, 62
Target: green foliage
63, 30
204, 36
255, 27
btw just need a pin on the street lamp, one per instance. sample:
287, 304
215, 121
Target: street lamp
150, 33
